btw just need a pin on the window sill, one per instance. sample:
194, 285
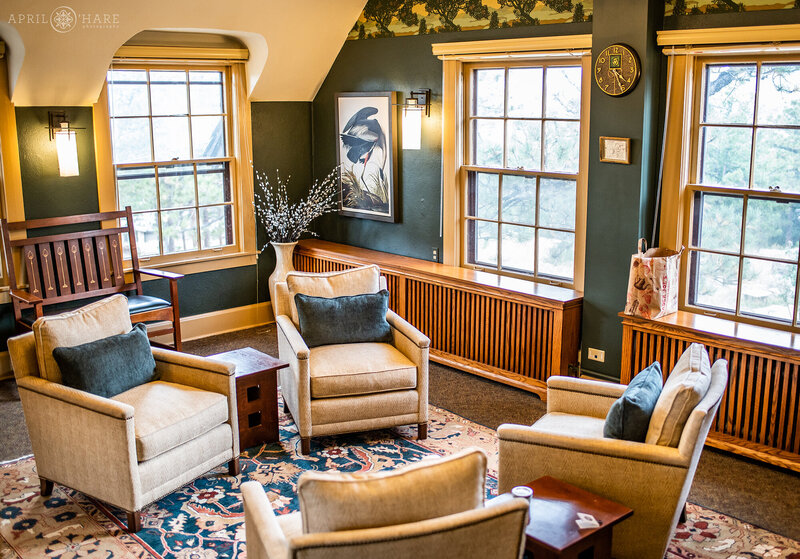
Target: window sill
188, 266
738, 333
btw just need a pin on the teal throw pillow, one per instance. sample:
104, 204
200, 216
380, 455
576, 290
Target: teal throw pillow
629, 416
108, 366
343, 320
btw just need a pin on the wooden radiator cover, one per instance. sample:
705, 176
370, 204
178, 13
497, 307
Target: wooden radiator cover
518, 336
759, 416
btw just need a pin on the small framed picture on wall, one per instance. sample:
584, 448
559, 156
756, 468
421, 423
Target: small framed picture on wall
366, 143
615, 150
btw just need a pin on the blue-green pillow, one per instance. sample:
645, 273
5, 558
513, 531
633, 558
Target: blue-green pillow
343, 320
108, 366
629, 417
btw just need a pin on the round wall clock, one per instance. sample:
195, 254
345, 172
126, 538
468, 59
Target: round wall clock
617, 70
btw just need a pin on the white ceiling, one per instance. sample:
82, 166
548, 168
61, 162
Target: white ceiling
292, 43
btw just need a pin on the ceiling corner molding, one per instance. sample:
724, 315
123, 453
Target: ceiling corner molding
730, 35
476, 49
181, 53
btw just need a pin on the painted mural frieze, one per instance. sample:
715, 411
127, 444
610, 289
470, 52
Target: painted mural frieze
394, 18
693, 7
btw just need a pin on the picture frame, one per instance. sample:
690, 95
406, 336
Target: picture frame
366, 152
615, 150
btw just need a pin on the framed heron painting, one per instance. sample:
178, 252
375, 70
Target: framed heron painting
366, 140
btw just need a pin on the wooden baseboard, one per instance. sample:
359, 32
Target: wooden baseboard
197, 326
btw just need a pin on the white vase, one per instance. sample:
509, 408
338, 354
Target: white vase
283, 265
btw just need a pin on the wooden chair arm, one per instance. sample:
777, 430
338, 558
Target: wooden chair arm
25, 297
159, 273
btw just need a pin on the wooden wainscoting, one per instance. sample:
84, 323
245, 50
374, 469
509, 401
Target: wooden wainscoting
505, 329
759, 415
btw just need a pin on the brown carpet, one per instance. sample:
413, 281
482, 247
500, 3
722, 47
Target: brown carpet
761, 495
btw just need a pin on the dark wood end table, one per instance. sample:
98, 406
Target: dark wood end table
552, 531
256, 394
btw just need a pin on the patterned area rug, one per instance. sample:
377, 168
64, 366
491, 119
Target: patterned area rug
204, 520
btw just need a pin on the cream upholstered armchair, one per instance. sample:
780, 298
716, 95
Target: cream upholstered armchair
652, 479
133, 448
343, 388
434, 508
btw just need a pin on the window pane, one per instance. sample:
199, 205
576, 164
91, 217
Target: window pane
768, 288
168, 92
146, 227
563, 92
179, 229
773, 228
487, 143
556, 254
216, 226
136, 187
213, 183
779, 94
561, 146
524, 144
777, 160
176, 186
482, 242
525, 92
725, 156
171, 138
127, 93
131, 140
489, 94
519, 248
208, 136
519, 201
716, 278
730, 93
557, 201
718, 222
484, 193
206, 92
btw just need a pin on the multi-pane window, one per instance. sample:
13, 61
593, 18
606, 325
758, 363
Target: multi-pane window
744, 243
523, 138
170, 130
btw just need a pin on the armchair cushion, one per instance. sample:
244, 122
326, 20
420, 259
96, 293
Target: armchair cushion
332, 284
427, 489
685, 387
353, 369
578, 426
110, 365
629, 416
103, 318
166, 415
343, 320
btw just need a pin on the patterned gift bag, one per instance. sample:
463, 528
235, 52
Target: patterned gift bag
653, 282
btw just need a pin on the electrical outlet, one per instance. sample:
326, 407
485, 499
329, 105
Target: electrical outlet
435, 254
597, 354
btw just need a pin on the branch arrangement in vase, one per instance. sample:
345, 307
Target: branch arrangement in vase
285, 221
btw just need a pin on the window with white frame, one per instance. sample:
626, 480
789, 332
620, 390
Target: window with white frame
171, 143
744, 192
522, 139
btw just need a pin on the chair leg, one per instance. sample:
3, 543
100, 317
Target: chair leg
176, 315
233, 467
305, 445
134, 521
422, 431
46, 487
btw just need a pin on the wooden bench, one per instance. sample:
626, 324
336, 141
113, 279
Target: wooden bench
65, 267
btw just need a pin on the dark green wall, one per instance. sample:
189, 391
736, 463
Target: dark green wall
399, 64
281, 145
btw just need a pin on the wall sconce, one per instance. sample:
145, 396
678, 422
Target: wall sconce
66, 144
418, 103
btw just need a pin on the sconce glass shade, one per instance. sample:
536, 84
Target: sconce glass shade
412, 128
67, 148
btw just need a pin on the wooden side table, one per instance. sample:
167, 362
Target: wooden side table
256, 394
552, 531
